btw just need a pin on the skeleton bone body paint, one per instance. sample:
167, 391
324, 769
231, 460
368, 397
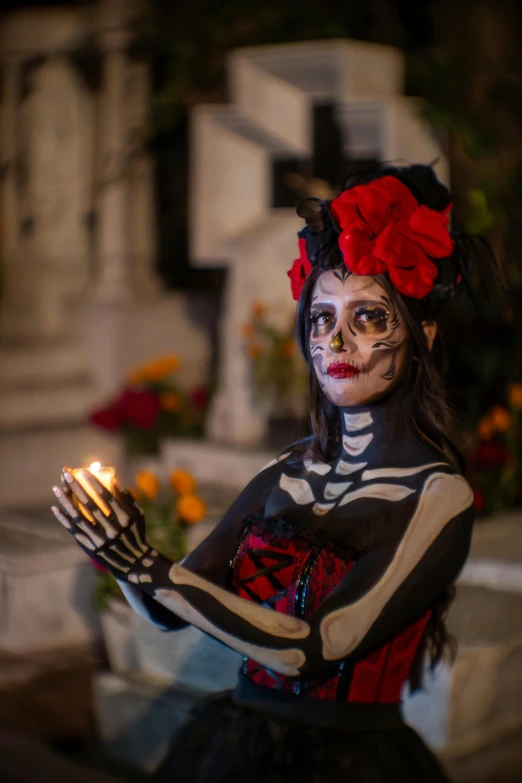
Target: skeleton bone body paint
388, 498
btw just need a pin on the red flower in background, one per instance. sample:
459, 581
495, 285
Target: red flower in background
489, 456
385, 229
300, 270
479, 500
139, 408
97, 566
107, 418
199, 398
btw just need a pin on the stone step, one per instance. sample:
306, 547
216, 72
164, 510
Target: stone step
48, 586
28, 365
32, 461
214, 463
49, 406
136, 716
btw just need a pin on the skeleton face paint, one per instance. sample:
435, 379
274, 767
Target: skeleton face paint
357, 339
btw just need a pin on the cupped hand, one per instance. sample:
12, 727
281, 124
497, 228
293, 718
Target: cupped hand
115, 538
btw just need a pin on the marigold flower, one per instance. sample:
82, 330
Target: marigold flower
515, 395
171, 402
248, 331
254, 351
147, 484
288, 349
156, 370
500, 418
486, 429
258, 309
191, 509
182, 482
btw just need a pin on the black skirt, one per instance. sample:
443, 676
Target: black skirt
225, 742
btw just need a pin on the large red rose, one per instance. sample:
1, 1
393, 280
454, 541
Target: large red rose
107, 418
139, 408
385, 229
300, 270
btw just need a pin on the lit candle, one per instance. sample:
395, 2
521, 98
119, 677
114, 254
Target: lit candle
105, 475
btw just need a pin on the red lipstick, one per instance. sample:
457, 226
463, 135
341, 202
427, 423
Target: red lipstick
342, 370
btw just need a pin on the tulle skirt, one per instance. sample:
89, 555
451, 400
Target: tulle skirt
224, 742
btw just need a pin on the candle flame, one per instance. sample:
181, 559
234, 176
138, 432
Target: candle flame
95, 467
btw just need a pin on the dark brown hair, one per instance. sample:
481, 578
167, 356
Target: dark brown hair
425, 408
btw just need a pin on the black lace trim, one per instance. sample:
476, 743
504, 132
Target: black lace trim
279, 532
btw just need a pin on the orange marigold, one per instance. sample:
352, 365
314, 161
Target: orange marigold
288, 348
258, 309
500, 418
486, 429
182, 482
254, 351
248, 331
147, 484
515, 395
156, 370
170, 401
191, 509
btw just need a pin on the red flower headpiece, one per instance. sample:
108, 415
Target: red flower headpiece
300, 270
385, 229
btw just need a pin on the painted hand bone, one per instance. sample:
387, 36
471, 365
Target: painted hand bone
115, 539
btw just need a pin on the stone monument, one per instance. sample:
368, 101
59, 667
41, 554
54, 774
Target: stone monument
237, 151
81, 301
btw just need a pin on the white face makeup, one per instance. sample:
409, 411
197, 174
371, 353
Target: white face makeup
357, 339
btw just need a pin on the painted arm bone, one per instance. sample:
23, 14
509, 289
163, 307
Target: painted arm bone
376, 597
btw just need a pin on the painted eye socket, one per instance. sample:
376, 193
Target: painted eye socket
371, 315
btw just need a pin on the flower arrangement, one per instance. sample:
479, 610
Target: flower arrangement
278, 371
151, 406
495, 465
169, 511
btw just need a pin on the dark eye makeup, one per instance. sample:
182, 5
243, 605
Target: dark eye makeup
371, 319
322, 322
367, 318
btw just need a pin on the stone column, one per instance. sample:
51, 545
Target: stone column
113, 282
142, 227
9, 202
9, 140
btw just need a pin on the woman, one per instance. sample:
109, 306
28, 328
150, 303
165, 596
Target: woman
332, 570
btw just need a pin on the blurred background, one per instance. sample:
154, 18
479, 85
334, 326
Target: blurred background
151, 157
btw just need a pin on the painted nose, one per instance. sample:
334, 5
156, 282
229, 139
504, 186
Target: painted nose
336, 344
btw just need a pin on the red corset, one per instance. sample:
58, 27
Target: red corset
283, 567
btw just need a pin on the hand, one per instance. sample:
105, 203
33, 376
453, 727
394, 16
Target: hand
116, 537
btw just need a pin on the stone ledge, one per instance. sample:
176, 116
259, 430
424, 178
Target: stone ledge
214, 463
493, 574
138, 715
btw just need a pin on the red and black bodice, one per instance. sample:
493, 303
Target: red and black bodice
284, 566
353, 553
